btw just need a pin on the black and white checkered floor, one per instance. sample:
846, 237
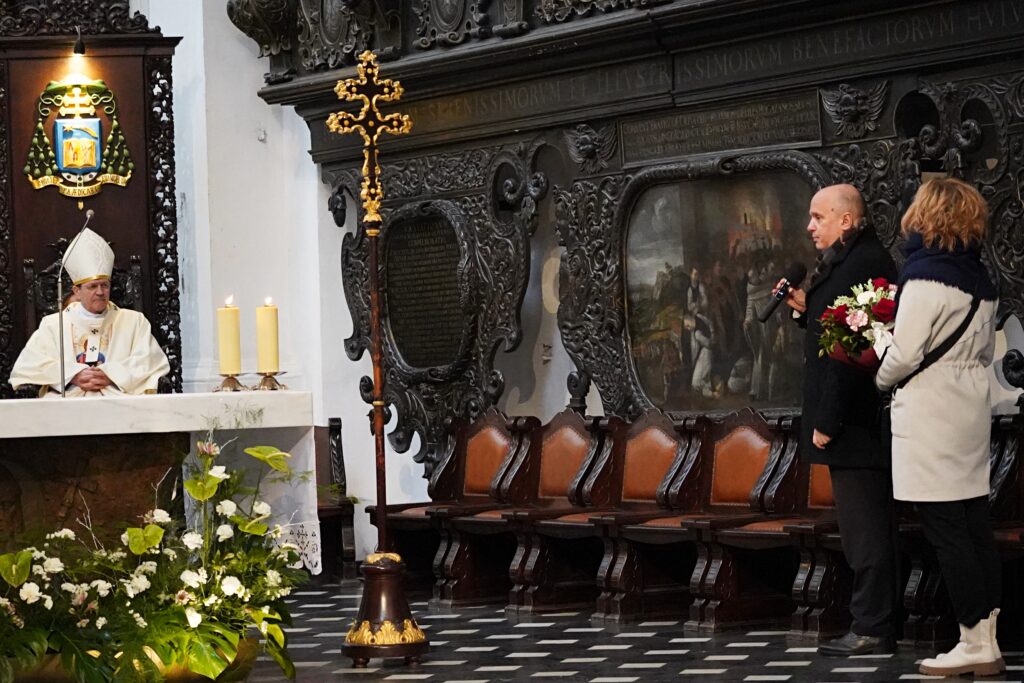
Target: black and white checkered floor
481, 646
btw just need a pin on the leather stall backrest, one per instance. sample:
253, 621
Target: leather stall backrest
819, 494
740, 458
648, 457
562, 455
485, 451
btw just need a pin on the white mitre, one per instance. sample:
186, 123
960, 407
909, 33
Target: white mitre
88, 257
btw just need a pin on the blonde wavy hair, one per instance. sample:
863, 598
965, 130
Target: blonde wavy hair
945, 211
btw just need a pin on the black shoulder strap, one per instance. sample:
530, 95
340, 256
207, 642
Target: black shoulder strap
940, 350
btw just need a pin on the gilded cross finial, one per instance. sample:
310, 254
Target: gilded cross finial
370, 124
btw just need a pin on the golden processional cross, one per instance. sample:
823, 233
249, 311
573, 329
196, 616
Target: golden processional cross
384, 625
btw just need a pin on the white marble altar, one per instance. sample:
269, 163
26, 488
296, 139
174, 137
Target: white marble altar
259, 418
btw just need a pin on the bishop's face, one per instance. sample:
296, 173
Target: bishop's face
93, 295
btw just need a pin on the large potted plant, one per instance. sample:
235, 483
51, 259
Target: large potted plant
173, 598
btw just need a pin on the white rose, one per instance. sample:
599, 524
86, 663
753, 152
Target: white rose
219, 472
261, 508
102, 587
192, 540
194, 617
230, 585
29, 593
865, 298
157, 516
52, 565
227, 507
224, 532
190, 579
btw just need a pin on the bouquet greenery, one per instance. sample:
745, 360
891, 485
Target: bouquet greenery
854, 324
170, 595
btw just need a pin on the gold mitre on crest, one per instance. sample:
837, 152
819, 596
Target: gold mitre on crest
88, 258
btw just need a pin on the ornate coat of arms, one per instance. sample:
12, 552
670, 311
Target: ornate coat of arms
88, 149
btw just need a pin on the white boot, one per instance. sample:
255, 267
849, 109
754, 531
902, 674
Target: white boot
972, 655
993, 617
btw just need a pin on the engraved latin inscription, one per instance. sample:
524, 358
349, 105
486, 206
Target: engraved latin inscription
422, 292
942, 26
786, 121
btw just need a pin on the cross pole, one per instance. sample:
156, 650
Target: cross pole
384, 626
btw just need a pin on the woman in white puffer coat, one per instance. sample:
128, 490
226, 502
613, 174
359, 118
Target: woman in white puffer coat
941, 418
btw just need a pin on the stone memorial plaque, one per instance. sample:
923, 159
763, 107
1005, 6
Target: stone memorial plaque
786, 120
424, 304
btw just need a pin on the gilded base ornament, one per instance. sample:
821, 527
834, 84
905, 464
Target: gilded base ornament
268, 382
386, 634
231, 383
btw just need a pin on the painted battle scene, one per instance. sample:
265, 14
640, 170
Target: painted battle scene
702, 257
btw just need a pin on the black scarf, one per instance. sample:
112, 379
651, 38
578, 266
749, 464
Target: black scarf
960, 267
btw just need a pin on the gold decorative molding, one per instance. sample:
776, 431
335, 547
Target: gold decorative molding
374, 558
387, 634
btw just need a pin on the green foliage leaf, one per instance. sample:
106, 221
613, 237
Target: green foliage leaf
141, 540
202, 488
203, 658
250, 526
15, 567
274, 457
280, 655
275, 634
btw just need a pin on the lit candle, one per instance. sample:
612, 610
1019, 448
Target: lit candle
267, 357
228, 339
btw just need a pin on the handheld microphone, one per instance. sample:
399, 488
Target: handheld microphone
795, 274
60, 300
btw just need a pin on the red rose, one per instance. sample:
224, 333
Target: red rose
879, 283
884, 311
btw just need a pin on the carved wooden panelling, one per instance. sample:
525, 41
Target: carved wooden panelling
492, 209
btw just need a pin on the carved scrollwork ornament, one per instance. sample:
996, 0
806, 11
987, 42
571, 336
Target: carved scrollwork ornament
332, 33
558, 11
513, 19
854, 111
592, 150
66, 17
7, 355
269, 23
493, 202
450, 22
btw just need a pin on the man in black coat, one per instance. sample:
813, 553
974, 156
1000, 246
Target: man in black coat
840, 421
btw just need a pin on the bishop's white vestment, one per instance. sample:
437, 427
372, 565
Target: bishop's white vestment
118, 341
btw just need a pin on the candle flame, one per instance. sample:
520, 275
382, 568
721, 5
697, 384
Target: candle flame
230, 300
268, 301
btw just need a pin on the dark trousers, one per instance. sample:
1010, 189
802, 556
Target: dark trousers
865, 511
961, 534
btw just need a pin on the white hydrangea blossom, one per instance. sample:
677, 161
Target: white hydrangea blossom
273, 578
192, 540
157, 516
227, 507
230, 585
65, 534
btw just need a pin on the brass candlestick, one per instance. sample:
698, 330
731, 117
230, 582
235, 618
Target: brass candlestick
231, 383
384, 626
269, 382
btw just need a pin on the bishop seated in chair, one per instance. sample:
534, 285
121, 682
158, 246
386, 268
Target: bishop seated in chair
108, 350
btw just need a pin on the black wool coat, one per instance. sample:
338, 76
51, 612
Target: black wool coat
841, 400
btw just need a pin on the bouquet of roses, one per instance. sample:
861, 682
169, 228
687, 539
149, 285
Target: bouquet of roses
853, 326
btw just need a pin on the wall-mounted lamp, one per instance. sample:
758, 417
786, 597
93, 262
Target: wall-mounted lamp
79, 48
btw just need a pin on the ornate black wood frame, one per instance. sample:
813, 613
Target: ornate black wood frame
62, 18
592, 223
491, 197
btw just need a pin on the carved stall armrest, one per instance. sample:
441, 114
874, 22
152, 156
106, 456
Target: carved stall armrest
459, 510
812, 527
624, 517
713, 522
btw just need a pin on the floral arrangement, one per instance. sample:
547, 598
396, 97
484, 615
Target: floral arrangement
854, 324
171, 595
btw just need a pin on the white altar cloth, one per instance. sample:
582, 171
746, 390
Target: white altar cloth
259, 418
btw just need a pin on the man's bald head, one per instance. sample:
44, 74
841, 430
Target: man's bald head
834, 210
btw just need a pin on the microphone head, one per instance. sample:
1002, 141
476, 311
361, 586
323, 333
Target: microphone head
89, 213
795, 274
